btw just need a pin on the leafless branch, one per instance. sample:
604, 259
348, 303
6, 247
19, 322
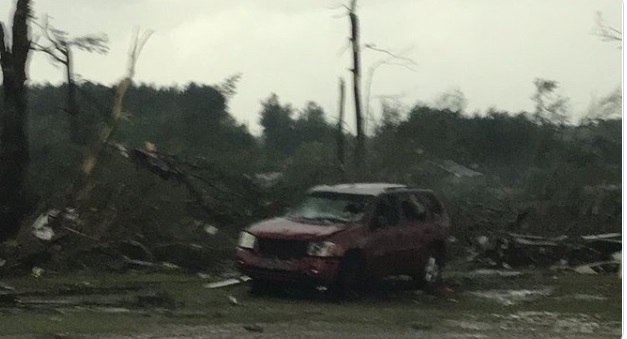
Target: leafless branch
400, 56
3, 50
605, 32
392, 59
339, 6
50, 51
60, 43
345, 48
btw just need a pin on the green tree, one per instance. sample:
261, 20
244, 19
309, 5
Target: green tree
311, 125
279, 133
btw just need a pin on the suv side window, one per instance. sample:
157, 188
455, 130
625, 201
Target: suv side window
433, 204
386, 212
414, 209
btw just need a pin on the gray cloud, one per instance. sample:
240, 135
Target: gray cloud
490, 49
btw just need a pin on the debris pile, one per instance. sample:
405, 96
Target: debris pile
139, 209
589, 254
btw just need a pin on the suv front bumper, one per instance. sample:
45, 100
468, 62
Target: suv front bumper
306, 270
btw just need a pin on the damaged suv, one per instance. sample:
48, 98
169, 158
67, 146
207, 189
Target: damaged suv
344, 235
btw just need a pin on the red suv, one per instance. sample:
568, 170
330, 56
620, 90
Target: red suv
346, 234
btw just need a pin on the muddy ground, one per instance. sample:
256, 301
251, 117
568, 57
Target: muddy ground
479, 304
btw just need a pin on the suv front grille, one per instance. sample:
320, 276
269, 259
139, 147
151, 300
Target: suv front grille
282, 249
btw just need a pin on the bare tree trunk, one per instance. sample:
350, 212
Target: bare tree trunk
14, 156
360, 150
340, 127
71, 104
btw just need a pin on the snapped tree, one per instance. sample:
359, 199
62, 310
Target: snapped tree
360, 149
58, 45
14, 156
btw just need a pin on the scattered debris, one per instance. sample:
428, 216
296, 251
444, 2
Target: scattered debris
253, 328
598, 267
267, 180
493, 272
149, 159
170, 266
211, 230
513, 297
228, 282
37, 272
40, 227
455, 169
584, 269
607, 236
617, 257
135, 250
121, 148
584, 297
232, 300
421, 326
471, 325
557, 253
6, 287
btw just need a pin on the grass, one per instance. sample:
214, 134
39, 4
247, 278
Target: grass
391, 307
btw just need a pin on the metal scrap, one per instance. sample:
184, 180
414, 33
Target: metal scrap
228, 282
589, 254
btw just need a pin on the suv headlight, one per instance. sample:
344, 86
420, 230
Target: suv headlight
247, 240
321, 249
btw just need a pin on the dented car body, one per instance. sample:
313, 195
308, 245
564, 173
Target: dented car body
345, 233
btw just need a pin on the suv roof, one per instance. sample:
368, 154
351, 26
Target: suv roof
373, 189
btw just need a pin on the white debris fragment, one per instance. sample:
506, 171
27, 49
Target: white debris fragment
618, 257
122, 149
584, 269
228, 282
513, 297
583, 297
170, 266
210, 229
500, 273
37, 272
616, 236
232, 300
41, 230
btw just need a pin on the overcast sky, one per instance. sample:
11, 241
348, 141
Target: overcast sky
491, 50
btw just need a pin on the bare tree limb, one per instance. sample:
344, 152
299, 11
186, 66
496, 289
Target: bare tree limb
90, 159
340, 131
392, 60
3, 49
605, 32
393, 55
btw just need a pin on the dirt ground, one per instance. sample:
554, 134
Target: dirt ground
479, 304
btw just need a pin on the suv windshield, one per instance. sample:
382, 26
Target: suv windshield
331, 207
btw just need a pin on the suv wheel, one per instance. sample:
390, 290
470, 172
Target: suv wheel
430, 275
351, 276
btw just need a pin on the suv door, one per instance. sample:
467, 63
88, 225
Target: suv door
383, 233
418, 231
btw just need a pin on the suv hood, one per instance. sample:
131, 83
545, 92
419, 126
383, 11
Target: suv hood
283, 228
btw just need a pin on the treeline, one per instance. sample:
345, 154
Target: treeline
532, 159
